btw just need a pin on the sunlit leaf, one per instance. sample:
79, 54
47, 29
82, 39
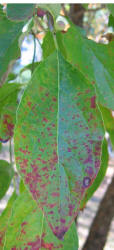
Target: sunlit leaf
28, 229
4, 219
111, 8
58, 140
108, 122
95, 61
20, 12
9, 49
111, 21
6, 174
100, 176
48, 45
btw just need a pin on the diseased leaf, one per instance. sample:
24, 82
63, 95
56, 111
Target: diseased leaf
54, 9
8, 107
60, 131
4, 219
9, 49
6, 174
95, 61
28, 229
20, 12
100, 176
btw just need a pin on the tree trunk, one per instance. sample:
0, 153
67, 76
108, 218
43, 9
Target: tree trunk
76, 14
100, 226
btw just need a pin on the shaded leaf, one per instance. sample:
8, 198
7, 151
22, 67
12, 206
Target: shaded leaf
28, 229
9, 35
20, 12
4, 219
54, 9
30, 67
100, 176
60, 131
95, 61
6, 174
8, 107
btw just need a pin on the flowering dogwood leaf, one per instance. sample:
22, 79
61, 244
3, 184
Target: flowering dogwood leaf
28, 229
9, 49
58, 138
93, 60
20, 12
6, 175
8, 107
101, 174
4, 217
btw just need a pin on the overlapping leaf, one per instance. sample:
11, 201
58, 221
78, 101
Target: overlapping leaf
8, 107
95, 61
20, 12
4, 219
6, 174
54, 9
60, 131
9, 49
108, 122
28, 229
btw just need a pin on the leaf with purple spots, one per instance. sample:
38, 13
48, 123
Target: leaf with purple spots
4, 217
28, 229
8, 107
101, 174
58, 138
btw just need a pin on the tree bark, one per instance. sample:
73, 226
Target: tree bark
76, 14
101, 223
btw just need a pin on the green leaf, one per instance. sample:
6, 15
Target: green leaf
48, 45
4, 219
111, 8
85, 5
58, 139
94, 61
9, 50
28, 229
111, 21
6, 174
8, 107
20, 12
100, 176
108, 122
54, 9
30, 67
21, 186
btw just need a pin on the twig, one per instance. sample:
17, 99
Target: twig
34, 53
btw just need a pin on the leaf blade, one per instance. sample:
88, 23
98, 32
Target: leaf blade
28, 228
61, 136
20, 12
